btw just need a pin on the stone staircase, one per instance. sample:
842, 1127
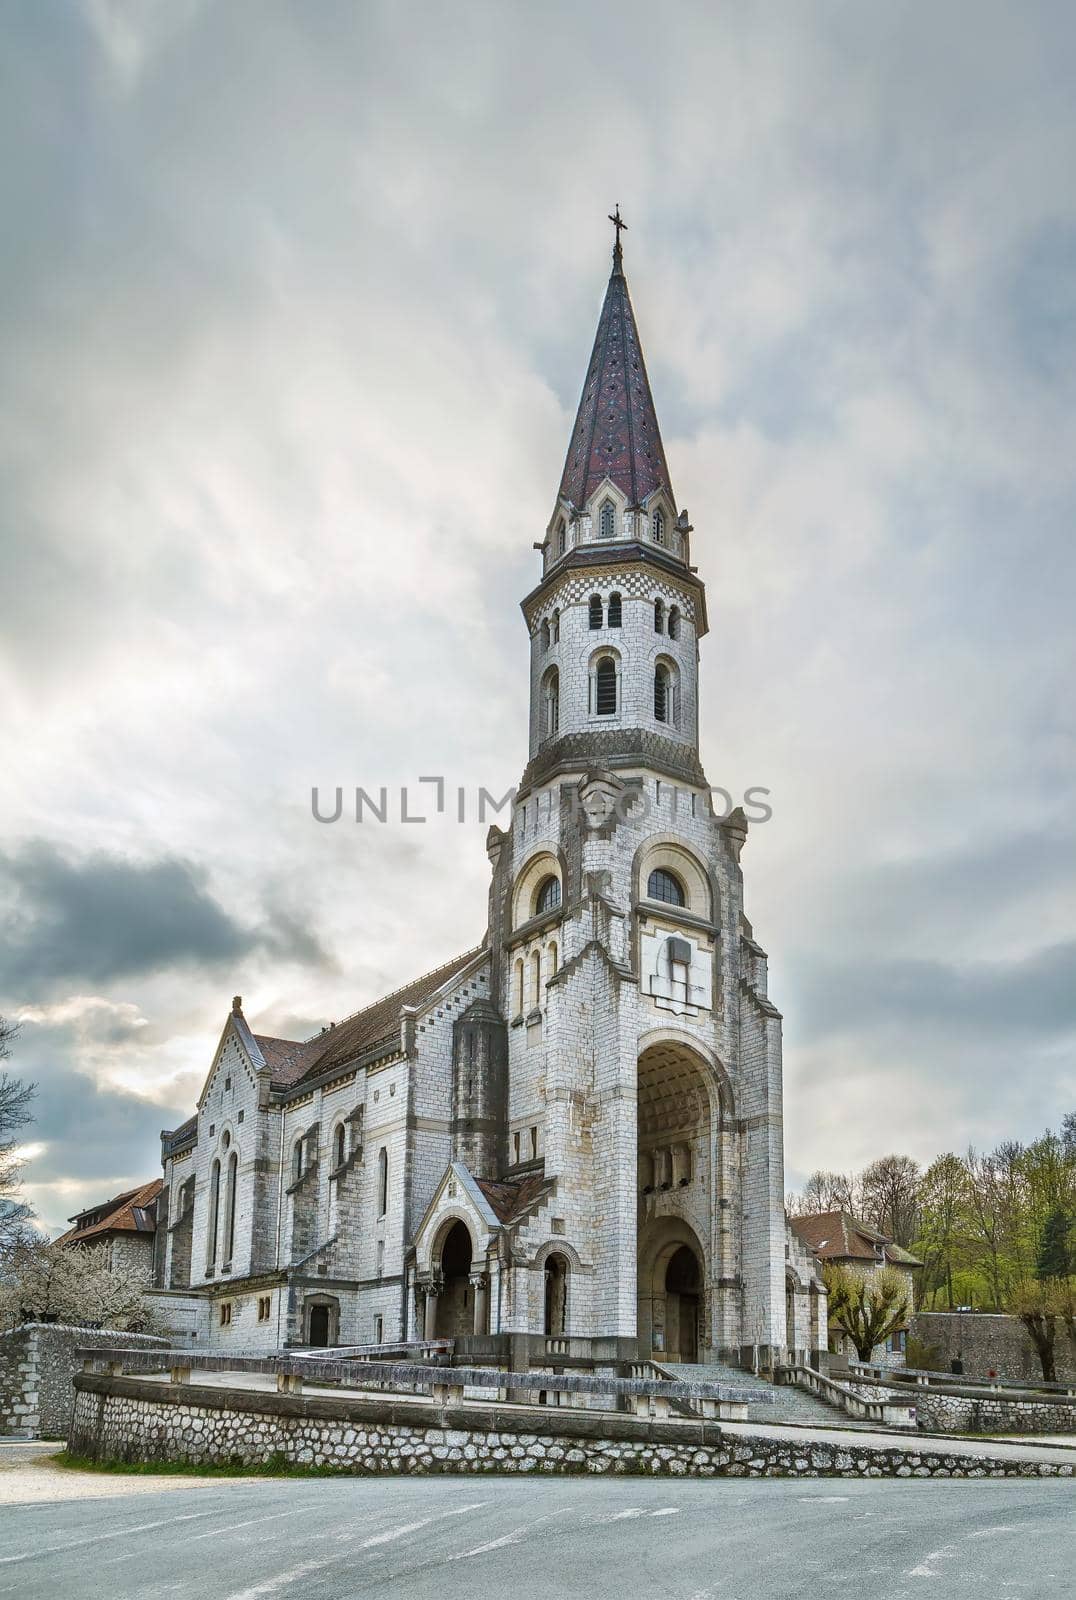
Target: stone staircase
777, 1403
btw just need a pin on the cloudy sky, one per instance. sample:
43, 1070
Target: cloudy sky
296, 304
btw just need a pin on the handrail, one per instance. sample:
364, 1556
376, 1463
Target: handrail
968, 1389
827, 1388
382, 1374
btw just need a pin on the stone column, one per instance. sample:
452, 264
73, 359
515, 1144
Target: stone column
432, 1287
478, 1284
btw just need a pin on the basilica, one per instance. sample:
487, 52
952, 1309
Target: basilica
566, 1141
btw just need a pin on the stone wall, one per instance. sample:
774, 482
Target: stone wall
974, 1412
37, 1364
987, 1343
131, 1419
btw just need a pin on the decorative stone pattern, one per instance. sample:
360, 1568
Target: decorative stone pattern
37, 1364
130, 1420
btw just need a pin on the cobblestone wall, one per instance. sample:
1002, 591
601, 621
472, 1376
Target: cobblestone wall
37, 1363
974, 1413
129, 1419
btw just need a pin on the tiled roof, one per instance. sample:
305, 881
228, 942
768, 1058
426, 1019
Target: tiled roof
839, 1236
510, 1198
288, 1059
376, 1022
616, 432
132, 1212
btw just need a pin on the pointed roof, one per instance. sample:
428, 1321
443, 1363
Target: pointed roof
616, 432
134, 1211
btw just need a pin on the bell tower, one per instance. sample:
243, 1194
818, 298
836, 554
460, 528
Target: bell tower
643, 1078
616, 619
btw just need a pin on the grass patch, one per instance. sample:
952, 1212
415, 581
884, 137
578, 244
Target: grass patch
277, 1466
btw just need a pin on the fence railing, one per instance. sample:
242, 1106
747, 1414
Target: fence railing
886, 1412
445, 1385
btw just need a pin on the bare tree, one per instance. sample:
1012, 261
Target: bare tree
826, 1191
890, 1197
15, 1113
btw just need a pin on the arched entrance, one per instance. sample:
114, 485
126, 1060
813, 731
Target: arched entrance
676, 1187
455, 1312
556, 1294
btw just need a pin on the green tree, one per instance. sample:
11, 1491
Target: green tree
867, 1307
1054, 1259
943, 1224
1036, 1304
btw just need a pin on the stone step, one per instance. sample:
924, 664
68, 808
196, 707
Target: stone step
778, 1403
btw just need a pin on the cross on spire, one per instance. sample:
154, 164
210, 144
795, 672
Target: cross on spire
618, 223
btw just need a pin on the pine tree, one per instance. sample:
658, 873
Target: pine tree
1054, 1259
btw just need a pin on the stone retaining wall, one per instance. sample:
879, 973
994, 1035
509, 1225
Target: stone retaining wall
37, 1364
971, 1412
133, 1419
988, 1342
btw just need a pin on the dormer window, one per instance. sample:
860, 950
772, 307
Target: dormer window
657, 527
607, 520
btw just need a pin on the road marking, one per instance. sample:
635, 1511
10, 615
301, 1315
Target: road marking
822, 1499
506, 1539
987, 1533
925, 1570
271, 1585
405, 1528
97, 1538
619, 1516
666, 1511
233, 1527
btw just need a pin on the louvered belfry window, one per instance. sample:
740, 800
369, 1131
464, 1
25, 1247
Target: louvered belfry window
661, 693
607, 520
595, 611
605, 687
614, 611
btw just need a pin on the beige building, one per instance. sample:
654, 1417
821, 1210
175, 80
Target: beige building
846, 1241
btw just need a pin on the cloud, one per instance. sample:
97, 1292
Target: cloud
288, 386
102, 918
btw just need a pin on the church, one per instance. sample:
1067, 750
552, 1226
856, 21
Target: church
567, 1141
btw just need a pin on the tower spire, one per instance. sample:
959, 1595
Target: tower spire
616, 434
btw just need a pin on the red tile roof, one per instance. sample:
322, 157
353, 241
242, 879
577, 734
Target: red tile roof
134, 1211
839, 1236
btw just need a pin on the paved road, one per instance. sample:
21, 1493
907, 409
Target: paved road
446, 1538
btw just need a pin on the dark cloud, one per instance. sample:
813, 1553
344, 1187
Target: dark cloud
1032, 998
101, 917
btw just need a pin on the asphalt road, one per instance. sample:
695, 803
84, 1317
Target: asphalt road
443, 1538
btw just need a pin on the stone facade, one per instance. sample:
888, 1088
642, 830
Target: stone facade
125, 1419
575, 1132
986, 1344
37, 1365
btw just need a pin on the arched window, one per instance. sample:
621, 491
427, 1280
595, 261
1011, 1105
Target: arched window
551, 705
659, 616
595, 611
661, 692
297, 1161
657, 527
545, 634
339, 1145
519, 987
559, 541
614, 611
382, 1181
674, 622
551, 963
536, 978
554, 628
665, 885
225, 1139
214, 1212
548, 895
556, 1294
605, 687
229, 1208
607, 520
